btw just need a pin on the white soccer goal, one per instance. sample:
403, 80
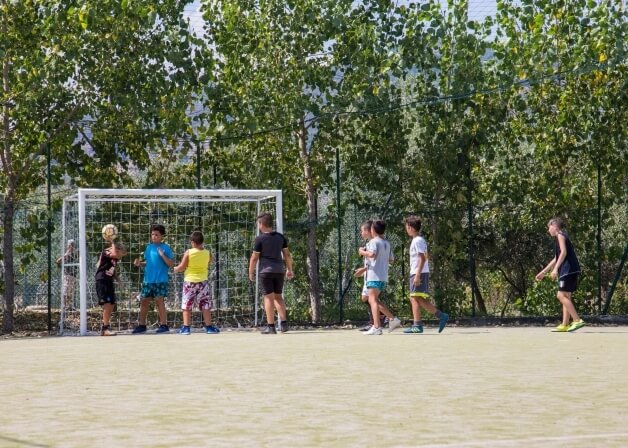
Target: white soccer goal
227, 219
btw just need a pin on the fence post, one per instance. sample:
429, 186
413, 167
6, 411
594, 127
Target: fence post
599, 237
49, 231
339, 227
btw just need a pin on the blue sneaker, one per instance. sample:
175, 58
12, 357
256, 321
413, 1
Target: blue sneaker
184, 330
444, 317
212, 330
414, 329
139, 329
163, 329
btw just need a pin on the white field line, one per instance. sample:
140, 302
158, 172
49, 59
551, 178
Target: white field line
524, 441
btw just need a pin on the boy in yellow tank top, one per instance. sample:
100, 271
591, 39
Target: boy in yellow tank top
195, 265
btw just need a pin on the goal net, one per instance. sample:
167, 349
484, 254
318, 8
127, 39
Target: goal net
227, 219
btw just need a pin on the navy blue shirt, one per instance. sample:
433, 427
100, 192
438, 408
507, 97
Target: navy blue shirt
570, 264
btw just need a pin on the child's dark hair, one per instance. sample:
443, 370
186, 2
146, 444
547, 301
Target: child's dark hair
367, 224
414, 222
265, 219
557, 221
379, 226
159, 228
197, 237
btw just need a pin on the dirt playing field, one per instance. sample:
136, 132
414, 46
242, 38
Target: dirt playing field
467, 387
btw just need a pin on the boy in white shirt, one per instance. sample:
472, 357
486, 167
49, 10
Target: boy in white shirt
419, 279
378, 255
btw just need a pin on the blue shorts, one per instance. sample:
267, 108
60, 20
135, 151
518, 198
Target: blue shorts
154, 290
423, 290
375, 284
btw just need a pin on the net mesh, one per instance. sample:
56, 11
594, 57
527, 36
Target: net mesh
229, 228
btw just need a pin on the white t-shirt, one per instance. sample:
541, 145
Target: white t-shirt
418, 246
377, 267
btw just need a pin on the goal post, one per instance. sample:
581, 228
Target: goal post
227, 219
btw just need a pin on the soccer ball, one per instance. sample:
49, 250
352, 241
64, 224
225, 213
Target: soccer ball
109, 232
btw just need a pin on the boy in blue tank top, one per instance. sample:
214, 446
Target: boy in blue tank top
565, 268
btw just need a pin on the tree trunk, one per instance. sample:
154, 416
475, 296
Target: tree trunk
312, 249
478, 294
8, 207
9, 272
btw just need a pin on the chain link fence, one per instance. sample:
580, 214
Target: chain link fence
337, 255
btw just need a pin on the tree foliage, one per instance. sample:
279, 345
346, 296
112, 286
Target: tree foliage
485, 128
98, 84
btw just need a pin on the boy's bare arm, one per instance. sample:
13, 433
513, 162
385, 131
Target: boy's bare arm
546, 269
253, 265
287, 257
184, 263
366, 253
165, 258
116, 251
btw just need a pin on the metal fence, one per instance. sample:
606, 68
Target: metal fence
340, 291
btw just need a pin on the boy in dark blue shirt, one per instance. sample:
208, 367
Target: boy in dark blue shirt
565, 268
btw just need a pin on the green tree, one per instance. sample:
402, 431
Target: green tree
453, 118
289, 68
98, 83
568, 63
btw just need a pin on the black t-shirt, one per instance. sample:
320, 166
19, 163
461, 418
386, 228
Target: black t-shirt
270, 246
106, 267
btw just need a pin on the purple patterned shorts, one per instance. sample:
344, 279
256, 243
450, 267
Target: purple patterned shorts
198, 293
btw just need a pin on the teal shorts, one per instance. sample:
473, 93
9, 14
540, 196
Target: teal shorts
154, 290
375, 284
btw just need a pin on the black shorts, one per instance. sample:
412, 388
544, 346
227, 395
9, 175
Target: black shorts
568, 283
271, 283
106, 292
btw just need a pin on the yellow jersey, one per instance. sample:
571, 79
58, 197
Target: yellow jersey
198, 265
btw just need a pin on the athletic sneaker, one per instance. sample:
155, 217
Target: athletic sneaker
269, 329
283, 326
414, 329
394, 323
163, 329
444, 317
139, 329
374, 331
367, 327
210, 329
561, 328
184, 330
105, 331
575, 325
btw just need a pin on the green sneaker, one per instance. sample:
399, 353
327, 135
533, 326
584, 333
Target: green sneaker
575, 325
414, 329
561, 328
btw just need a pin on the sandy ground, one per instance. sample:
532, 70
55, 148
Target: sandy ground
467, 387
